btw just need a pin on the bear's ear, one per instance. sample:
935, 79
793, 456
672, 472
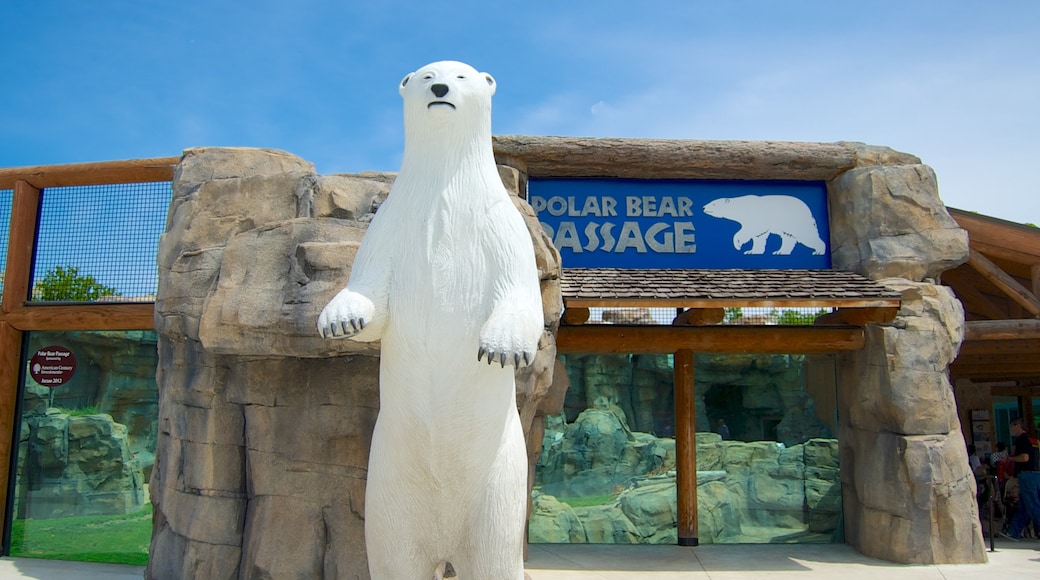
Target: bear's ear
490, 81
404, 82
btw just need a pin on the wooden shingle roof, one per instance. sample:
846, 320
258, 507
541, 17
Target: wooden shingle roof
612, 287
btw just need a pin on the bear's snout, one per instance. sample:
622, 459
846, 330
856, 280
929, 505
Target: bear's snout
439, 89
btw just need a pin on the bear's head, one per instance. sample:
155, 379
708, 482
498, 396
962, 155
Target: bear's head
447, 94
717, 208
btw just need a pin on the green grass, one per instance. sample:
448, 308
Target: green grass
587, 501
117, 539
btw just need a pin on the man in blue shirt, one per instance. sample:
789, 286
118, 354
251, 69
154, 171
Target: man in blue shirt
1026, 455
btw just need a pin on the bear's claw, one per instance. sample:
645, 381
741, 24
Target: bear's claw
503, 358
342, 329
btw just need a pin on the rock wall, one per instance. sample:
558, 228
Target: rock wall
903, 460
264, 427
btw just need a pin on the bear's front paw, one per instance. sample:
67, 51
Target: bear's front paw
345, 316
502, 342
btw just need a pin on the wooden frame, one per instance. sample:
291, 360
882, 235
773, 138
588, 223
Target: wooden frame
17, 314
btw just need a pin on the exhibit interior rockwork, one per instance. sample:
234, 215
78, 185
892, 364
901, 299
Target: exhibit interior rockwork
705, 374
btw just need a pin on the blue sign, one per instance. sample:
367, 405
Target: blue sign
677, 224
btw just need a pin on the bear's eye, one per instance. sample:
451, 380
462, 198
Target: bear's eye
461, 77
427, 76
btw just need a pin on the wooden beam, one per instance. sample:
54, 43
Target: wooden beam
1034, 273
995, 371
998, 359
858, 316
965, 286
576, 316
1000, 238
1010, 346
700, 317
1006, 283
128, 171
674, 159
1001, 329
25, 206
86, 316
685, 447
609, 338
10, 355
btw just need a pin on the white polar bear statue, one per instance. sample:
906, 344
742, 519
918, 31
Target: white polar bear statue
445, 277
760, 216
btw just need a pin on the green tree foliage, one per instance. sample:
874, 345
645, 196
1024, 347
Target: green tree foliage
796, 318
65, 283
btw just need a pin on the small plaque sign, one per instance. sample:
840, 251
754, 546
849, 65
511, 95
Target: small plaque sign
52, 366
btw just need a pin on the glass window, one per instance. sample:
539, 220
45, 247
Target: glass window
767, 452
86, 446
767, 468
607, 469
1005, 410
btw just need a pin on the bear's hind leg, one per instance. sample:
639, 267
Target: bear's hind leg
398, 560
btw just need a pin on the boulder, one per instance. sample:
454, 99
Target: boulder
78, 465
888, 221
553, 522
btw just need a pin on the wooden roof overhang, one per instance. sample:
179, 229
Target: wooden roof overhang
700, 297
999, 287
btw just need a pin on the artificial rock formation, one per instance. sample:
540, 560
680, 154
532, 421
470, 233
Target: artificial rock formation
264, 427
903, 463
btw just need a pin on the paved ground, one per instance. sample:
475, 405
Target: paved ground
1011, 561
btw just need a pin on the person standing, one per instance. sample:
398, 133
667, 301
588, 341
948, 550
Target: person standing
1026, 455
722, 429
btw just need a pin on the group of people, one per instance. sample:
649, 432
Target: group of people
1018, 474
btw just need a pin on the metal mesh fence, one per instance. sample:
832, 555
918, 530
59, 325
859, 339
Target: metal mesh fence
6, 199
741, 316
98, 243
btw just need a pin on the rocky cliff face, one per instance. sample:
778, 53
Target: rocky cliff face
264, 427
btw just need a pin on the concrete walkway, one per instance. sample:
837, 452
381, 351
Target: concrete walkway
1011, 561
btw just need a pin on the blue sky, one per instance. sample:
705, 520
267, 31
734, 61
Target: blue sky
955, 82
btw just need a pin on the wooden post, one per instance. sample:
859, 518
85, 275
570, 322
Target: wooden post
685, 448
10, 358
24, 208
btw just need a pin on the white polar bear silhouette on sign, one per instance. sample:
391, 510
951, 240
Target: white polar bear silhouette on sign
445, 276
760, 216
